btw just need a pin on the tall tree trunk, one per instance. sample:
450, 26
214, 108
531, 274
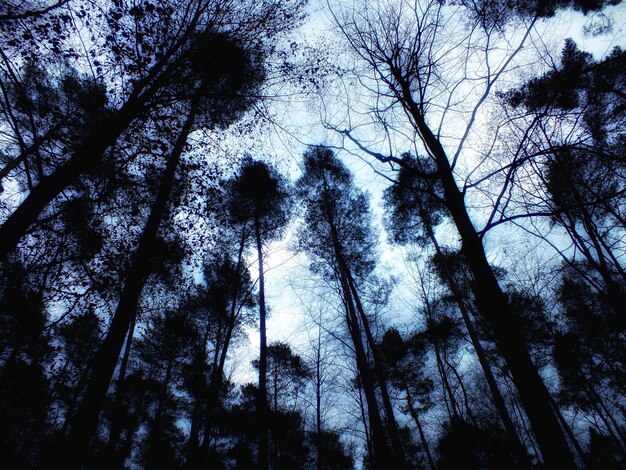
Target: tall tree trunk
193, 442
379, 444
572, 437
364, 419
392, 424
318, 399
262, 398
453, 408
459, 380
85, 422
493, 304
379, 456
116, 422
420, 429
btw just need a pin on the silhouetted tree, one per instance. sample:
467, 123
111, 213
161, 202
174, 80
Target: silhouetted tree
406, 67
260, 198
337, 232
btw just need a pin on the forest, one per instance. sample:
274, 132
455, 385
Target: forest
312, 234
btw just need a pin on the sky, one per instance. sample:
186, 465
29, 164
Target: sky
297, 124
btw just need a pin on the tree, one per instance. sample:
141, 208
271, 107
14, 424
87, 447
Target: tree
84, 422
152, 56
287, 374
337, 232
168, 345
405, 67
24, 387
414, 210
404, 363
260, 197
583, 174
222, 307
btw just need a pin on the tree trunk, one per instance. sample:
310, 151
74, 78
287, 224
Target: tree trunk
470, 415
85, 422
453, 409
318, 399
364, 419
493, 305
116, 425
262, 399
498, 399
415, 416
572, 437
380, 454
392, 424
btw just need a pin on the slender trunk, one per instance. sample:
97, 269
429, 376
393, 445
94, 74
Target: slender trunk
493, 305
163, 395
116, 422
571, 436
366, 429
611, 417
318, 399
470, 415
605, 415
379, 453
200, 358
262, 399
454, 414
614, 293
193, 443
127, 442
85, 422
392, 424
420, 430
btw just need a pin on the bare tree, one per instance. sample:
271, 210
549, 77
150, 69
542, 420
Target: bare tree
426, 65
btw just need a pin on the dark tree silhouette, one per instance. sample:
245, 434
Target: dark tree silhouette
260, 198
337, 232
405, 65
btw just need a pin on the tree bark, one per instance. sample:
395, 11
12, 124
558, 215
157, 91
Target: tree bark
380, 454
116, 425
392, 424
